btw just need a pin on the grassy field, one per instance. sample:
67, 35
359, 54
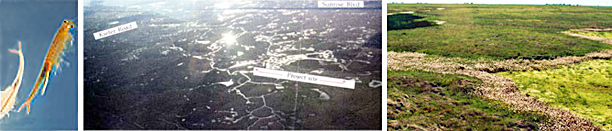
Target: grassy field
499, 31
431, 101
602, 34
584, 88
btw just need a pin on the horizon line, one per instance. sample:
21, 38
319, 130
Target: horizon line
496, 4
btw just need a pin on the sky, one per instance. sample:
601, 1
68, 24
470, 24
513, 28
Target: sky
34, 24
531, 2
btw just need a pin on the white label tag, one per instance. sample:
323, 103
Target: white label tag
321, 80
340, 4
115, 30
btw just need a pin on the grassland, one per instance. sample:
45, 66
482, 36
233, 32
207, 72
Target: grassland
597, 33
500, 31
562, 53
432, 101
584, 88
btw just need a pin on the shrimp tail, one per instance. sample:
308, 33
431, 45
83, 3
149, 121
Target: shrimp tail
41, 81
27, 107
16, 51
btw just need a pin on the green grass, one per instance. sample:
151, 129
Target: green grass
501, 31
584, 88
431, 100
603, 34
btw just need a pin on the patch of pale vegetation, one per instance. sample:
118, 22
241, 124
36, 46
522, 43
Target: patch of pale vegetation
439, 22
498, 87
604, 35
583, 88
420, 61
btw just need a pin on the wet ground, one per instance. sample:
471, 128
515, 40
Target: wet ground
406, 21
188, 65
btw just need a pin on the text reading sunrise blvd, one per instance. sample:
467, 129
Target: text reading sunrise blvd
340, 4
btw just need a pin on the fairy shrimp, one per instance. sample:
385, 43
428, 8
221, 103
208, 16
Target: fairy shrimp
61, 41
9, 95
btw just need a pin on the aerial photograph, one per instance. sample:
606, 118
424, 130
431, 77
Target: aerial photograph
499, 65
232, 64
38, 65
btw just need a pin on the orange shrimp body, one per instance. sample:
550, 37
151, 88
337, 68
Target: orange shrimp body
61, 41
